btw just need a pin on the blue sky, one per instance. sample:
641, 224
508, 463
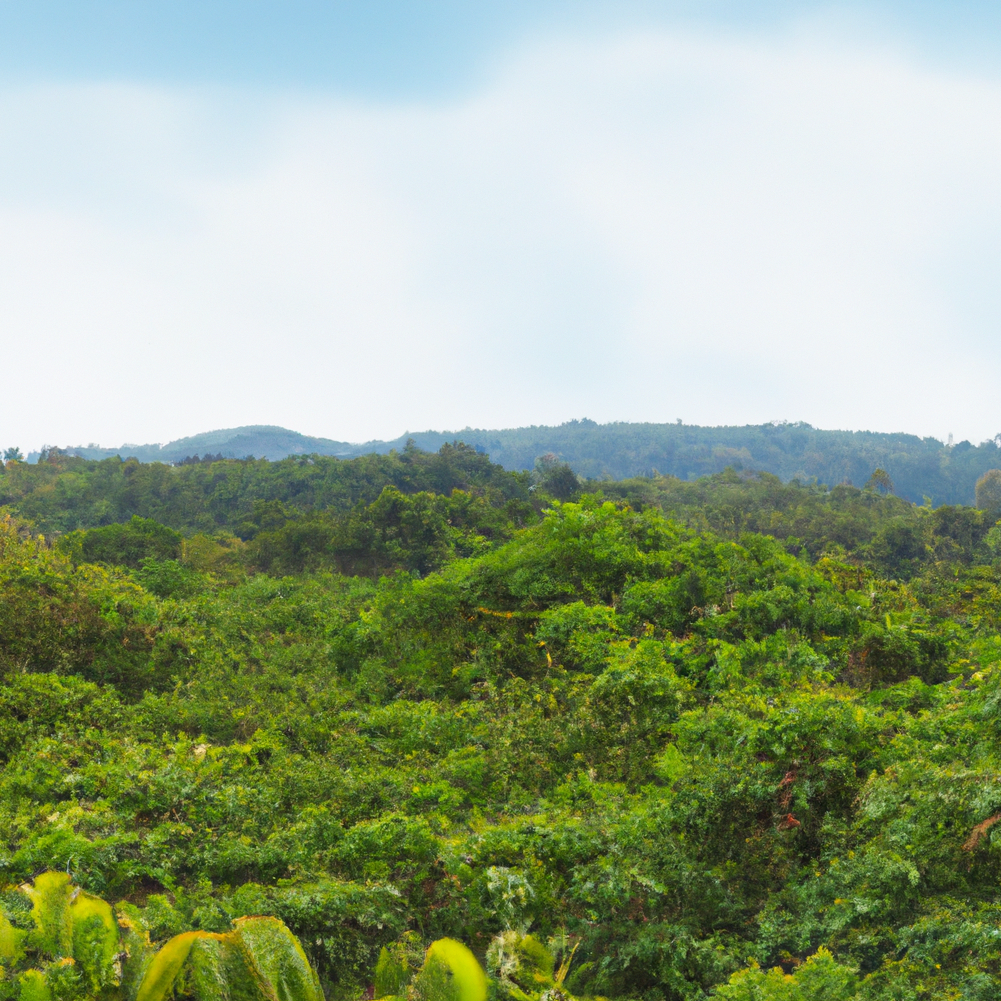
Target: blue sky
397, 48
356, 219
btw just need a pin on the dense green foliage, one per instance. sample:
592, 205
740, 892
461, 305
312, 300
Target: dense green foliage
411, 510
64, 492
731, 737
918, 467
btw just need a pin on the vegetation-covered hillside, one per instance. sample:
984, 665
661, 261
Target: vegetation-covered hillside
662, 740
261, 441
918, 467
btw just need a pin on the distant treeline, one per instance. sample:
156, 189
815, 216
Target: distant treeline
63, 492
918, 467
410, 510
416, 511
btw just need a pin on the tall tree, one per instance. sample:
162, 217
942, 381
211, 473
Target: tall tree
989, 493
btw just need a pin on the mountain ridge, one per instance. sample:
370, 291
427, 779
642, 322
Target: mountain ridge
919, 467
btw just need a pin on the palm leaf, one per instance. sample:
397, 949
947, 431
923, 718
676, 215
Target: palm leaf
275, 960
166, 965
451, 973
95, 937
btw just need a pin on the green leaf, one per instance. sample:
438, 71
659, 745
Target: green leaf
276, 960
9, 950
451, 973
166, 966
217, 970
95, 938
391, 974
50, 897
259, 959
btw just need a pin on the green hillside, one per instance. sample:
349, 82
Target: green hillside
918, 467
260, 441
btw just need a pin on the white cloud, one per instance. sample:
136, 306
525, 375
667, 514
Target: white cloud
641, 227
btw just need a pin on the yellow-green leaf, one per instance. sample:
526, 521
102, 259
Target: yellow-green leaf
275, 960
451, 973
166, 965
50, 899
95, 937
8, 942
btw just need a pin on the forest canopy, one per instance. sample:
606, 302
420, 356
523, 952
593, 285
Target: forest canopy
652, 739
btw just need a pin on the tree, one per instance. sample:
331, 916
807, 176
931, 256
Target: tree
880, 481
989, 493
13, 454
555, 478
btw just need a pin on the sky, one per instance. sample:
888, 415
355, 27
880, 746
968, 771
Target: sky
357, 219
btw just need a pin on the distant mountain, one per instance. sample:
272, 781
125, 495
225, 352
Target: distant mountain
262, 441
919, 467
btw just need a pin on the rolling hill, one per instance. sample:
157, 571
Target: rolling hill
919, 467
